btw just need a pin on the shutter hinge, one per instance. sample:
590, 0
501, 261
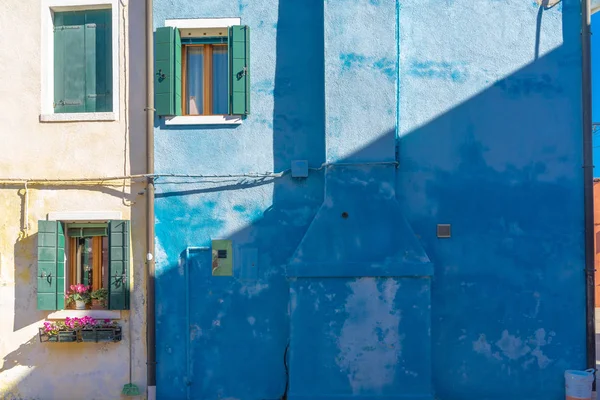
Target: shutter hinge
242, 73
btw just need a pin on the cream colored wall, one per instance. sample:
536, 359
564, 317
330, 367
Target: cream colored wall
31, 150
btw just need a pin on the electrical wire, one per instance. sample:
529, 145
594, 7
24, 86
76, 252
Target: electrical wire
110, 180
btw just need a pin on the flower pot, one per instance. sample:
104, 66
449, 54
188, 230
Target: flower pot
98, 305
79, 305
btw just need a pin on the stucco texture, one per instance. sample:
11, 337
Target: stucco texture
461, 112
34, 150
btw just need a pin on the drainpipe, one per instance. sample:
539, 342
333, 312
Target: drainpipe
588, 181
150, 266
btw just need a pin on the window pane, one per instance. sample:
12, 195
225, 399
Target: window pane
87, 260
105, 261
220, 80
194, 90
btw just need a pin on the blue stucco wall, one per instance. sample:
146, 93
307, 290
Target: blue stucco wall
479, 103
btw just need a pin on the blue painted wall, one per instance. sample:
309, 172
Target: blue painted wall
479, 103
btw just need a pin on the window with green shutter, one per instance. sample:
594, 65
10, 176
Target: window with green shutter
205, 75
92, 254
83, 61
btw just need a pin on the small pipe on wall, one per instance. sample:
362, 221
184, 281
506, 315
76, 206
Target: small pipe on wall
588, 181
150, 265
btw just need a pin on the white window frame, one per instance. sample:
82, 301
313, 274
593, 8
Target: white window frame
203, 23
47, 59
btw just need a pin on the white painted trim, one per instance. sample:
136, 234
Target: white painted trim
204, 120
72, 117
72, 216
47, 51
96, 314
200, 23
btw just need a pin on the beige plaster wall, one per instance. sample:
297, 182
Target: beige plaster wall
31, 150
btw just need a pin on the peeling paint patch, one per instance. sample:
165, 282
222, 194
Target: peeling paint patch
351, 60
373, 320
512, 346
385, 66
253, 290
239, 208
481, 346
448, 71
266, 86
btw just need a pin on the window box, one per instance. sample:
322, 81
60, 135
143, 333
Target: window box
85, 329
60, 337
101, 335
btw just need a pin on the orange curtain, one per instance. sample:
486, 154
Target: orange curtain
97, 262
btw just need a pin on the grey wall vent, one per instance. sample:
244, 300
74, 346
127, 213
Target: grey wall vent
444, 231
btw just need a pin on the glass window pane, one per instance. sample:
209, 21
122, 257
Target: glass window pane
194, 83
220, 80
105, 262
87, 260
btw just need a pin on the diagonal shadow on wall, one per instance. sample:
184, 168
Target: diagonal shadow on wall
503, 167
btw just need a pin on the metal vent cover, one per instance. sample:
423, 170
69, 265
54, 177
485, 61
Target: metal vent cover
444, 230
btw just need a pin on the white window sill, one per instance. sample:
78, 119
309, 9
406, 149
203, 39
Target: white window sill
96, 314
73, 117
204, 120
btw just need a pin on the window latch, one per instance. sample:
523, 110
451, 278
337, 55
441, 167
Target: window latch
48, 277
161, 75
242, 73
119, 280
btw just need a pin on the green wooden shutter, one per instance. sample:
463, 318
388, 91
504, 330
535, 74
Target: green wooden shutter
239, 68
118, 265
98, 61
69, 62
51, 266
167, 71
83, 61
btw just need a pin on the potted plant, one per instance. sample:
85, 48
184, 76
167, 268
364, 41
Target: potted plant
99, 298
80, 294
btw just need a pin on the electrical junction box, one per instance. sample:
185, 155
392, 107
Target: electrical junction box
222, 258
444, 231
300, 169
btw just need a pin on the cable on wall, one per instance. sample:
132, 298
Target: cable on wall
117, 180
